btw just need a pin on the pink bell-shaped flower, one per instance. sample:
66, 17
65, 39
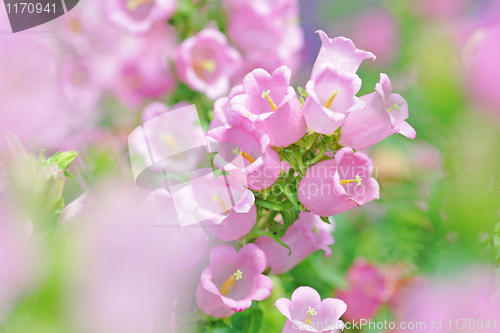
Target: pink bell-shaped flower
233, 280
337, 185
307, 312
384, 114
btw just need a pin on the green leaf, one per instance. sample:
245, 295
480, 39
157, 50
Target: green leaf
227, 321
277, 205
257, 233
67, 174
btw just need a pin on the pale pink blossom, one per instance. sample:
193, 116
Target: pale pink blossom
206, 63
385, 113
245, 151
139, 15
233, 280
270, 102
341, 53
334, 186
331, 98
307, 312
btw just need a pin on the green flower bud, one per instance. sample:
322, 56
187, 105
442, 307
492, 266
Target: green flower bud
63, 159
48, 188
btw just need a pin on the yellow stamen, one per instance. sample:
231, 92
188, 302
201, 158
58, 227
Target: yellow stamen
349, 181
315, 230
221, 202
170, 141
248, 157
208, 65
331, 98
395, 107
229, 284
265, 94
133, 4
310, 313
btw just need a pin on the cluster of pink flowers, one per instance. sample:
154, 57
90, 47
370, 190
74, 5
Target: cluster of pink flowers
300, 152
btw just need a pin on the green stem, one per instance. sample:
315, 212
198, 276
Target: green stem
322, 152
290, 158
300, 162
264, 224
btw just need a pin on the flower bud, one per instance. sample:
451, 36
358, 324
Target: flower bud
48, 188
63, 159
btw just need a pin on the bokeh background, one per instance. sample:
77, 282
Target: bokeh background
429, 248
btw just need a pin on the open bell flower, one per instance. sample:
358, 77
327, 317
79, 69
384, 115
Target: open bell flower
270, 102
139, 15
225, 204
246, 152
307, 312
305, 236
384, 114
341, 53
233, 280
331, 98
334, 186
206, 63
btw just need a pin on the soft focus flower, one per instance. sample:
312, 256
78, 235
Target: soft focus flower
376, 30
331, 98
140, 67
227, 207
441, 8
166, 138
448, 302
334, 186
206, 63
233, 280
80, 88
244, 150
222, 109
130, 270
483, 72
19, 258
270, 102
341, 53
384, 114
307, 312
305, 236
367, 291
32, 106
267, 32
15, 163
139, 15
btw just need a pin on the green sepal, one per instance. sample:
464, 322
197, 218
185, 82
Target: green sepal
279, 206
63, 159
